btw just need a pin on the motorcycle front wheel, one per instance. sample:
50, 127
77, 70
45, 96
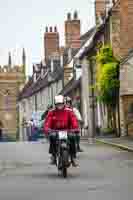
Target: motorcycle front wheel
65, 158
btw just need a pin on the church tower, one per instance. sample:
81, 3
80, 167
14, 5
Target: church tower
12, 80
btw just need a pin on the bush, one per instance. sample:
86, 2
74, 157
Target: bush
107, 131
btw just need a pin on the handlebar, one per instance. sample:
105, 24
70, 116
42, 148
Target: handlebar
69, 130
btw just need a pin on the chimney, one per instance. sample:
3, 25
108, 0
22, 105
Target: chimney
126, 26
72, 31
51, 42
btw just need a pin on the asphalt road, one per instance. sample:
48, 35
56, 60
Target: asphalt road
105, 173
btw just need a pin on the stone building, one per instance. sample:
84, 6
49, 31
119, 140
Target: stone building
51, 75
126, 95
39, 92
12, 79
120, 31
46, 81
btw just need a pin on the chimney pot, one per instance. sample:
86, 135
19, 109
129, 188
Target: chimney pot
69, 16
51, 29
55, 29
75, 15
46, 29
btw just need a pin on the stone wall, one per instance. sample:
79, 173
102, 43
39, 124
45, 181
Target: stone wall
126, 118
126, 94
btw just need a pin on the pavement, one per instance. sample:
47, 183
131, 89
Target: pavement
125, 143
25, 174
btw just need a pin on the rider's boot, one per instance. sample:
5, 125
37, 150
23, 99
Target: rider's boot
74, 162
79, 149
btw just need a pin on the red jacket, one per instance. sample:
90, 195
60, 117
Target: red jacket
60, 120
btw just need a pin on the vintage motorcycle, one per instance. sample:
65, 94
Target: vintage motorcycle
63, 150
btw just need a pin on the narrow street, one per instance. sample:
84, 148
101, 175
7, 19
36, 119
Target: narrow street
25, 173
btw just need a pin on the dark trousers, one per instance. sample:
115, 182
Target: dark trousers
78, 141
53, 146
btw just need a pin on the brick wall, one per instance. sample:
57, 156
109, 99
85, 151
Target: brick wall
115, 30
72, 31
99, 7
51, 42
126, 26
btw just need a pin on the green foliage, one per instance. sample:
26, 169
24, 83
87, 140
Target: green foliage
107, 76
105, 55
107, 131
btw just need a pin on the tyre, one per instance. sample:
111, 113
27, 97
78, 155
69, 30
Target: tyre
65, 158
64, 163
64, 172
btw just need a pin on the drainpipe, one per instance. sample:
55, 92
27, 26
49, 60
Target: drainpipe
92, 99
87, 111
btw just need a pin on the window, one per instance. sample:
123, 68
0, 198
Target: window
130, 108
130, 112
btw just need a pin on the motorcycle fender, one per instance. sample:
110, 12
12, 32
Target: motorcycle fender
64, 145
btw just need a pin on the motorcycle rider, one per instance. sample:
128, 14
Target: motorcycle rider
79, 118
61, 118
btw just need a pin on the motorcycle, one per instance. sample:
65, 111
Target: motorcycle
63, 149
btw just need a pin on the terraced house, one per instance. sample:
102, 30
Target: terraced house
48, 79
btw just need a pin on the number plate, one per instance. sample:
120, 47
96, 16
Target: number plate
62, 135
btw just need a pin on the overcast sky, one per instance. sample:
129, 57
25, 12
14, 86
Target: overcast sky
22, 24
